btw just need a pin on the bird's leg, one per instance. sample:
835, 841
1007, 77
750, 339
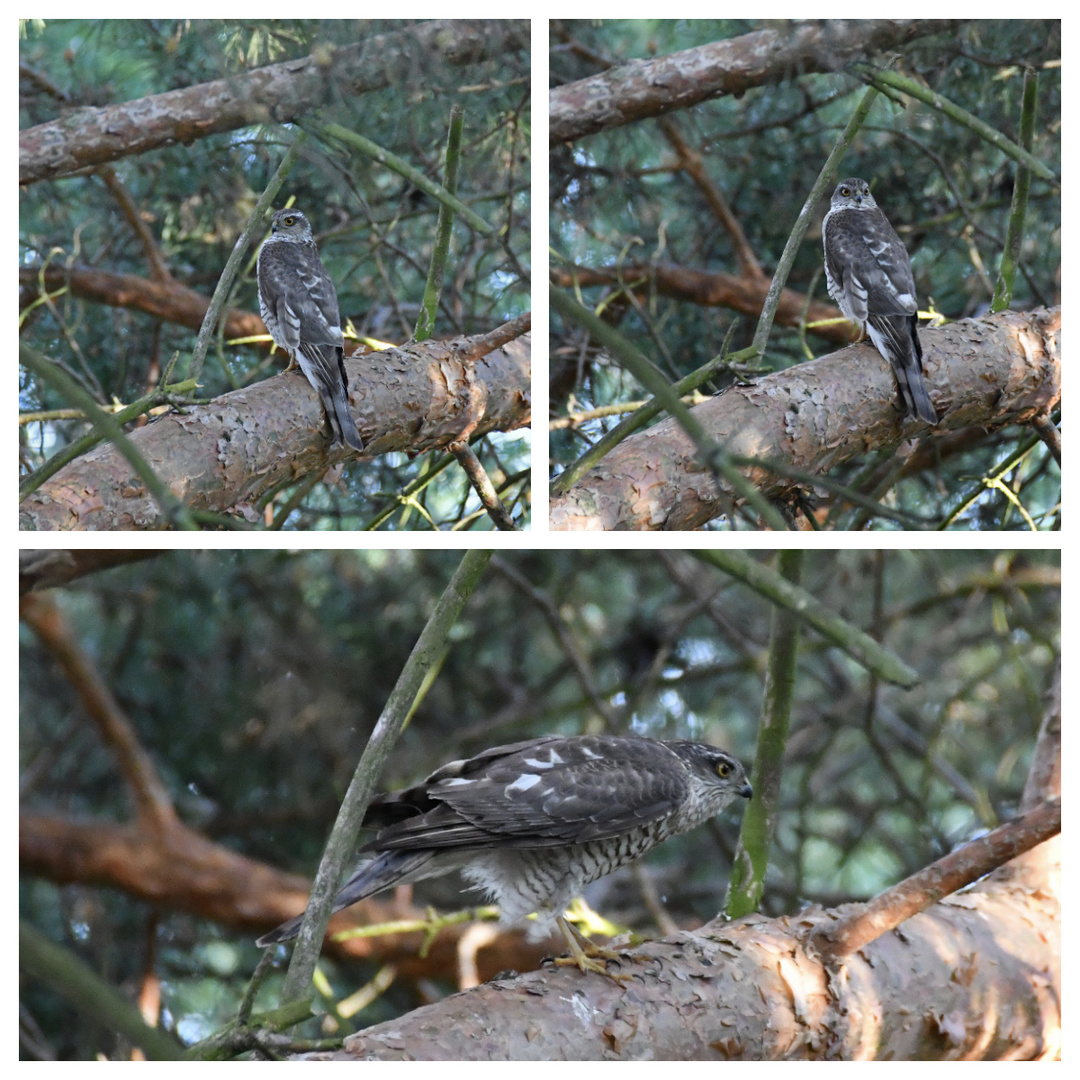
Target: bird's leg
292, 362
586, 955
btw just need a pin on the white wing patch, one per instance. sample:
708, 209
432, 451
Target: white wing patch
523, 783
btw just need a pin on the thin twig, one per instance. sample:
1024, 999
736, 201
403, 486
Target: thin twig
482, 485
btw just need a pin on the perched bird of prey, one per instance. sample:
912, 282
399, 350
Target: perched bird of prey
869, 275
300, 309
534, 822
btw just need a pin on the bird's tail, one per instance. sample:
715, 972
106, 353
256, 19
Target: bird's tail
324, 367
904, 353
337, 409
389, 868
918, 399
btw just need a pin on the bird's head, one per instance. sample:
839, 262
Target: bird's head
291, 225
853, 194
714, 770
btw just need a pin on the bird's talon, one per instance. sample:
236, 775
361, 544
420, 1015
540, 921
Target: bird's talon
588, 963
587, 956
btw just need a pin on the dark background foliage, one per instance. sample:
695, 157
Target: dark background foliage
619, 197
254, 679
375, 230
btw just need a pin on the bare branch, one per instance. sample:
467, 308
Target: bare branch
278, 92
816, 416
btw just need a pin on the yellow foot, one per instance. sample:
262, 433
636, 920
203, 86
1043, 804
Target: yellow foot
587, 956
587, 963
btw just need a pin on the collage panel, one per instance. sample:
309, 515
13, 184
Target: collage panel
805, 275
434, 800
275, 275
738, 797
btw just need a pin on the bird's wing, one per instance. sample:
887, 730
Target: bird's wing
295, 283
393, 807
544, 793
323, 366
275, 284
864, 254
321, 320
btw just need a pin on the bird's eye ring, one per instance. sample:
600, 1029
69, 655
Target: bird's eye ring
723, 769
289, 220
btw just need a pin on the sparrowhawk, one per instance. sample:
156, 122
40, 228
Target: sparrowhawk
300, 308
532, 823
868, 273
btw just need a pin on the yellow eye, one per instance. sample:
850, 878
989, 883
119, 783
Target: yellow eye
290, 220
723, 770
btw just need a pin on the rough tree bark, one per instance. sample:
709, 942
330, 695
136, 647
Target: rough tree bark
638, 89
997, 370
83, 138
224, 456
